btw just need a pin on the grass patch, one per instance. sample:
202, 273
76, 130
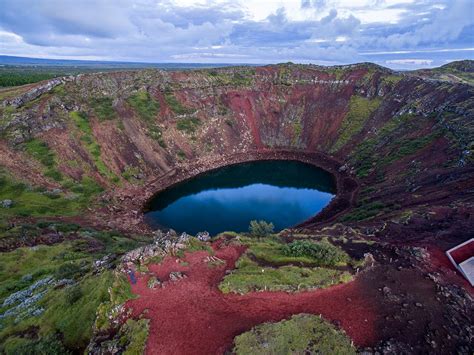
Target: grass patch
188, 124
146, 107
103, 108
43, 153
75, 320
365, 211
175, 105
34, 202
69, 312
367, 153
249, 276
301, 334
360, 109
136, 333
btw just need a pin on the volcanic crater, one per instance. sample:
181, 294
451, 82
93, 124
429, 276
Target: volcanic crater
399, 144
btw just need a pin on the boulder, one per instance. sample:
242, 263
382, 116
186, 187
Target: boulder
6, 203
203, 236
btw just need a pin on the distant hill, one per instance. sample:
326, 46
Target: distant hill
461, 71
16, 71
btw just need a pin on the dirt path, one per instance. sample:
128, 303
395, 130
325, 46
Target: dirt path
191, 316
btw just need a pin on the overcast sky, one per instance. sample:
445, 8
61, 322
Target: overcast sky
395, 33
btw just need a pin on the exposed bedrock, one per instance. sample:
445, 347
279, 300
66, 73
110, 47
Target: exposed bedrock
400, 146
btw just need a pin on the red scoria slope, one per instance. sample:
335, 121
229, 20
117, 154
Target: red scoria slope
191, 316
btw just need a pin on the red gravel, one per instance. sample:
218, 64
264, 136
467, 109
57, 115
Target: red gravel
191, 316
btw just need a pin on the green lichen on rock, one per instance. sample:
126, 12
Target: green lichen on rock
301, 334
360, 109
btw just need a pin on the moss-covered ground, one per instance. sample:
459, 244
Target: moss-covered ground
301, 334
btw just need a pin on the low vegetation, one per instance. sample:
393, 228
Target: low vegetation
301, 334
271, 264
43, 153
188, 124
175, 105
250, 276
54, 293
360, 109
135, 333
103, 108
93, 148
147, 109
324, 253
27, 200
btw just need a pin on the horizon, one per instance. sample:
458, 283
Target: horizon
143, 65
398, 34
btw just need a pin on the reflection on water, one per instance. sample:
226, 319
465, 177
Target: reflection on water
282, 192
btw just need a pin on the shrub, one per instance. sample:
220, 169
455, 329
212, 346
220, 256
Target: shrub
260, 229
323, 252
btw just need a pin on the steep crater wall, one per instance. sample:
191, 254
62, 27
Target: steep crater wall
406, 141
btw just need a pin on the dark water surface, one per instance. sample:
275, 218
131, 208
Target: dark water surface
227, 199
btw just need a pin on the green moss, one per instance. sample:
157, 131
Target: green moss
82, 122
103, 108
302, 334
38, 262
290, 271
408, 146
50, 344
188, 124
43, 153
360, 109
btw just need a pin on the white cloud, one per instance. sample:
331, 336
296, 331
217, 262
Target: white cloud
323, 31
417, 62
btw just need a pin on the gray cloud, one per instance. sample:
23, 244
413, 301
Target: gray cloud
146, 30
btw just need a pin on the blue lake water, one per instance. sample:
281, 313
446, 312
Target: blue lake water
282, 192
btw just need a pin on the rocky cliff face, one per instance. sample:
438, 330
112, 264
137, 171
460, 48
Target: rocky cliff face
106, 141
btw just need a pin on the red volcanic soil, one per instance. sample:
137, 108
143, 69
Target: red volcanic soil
191, 316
